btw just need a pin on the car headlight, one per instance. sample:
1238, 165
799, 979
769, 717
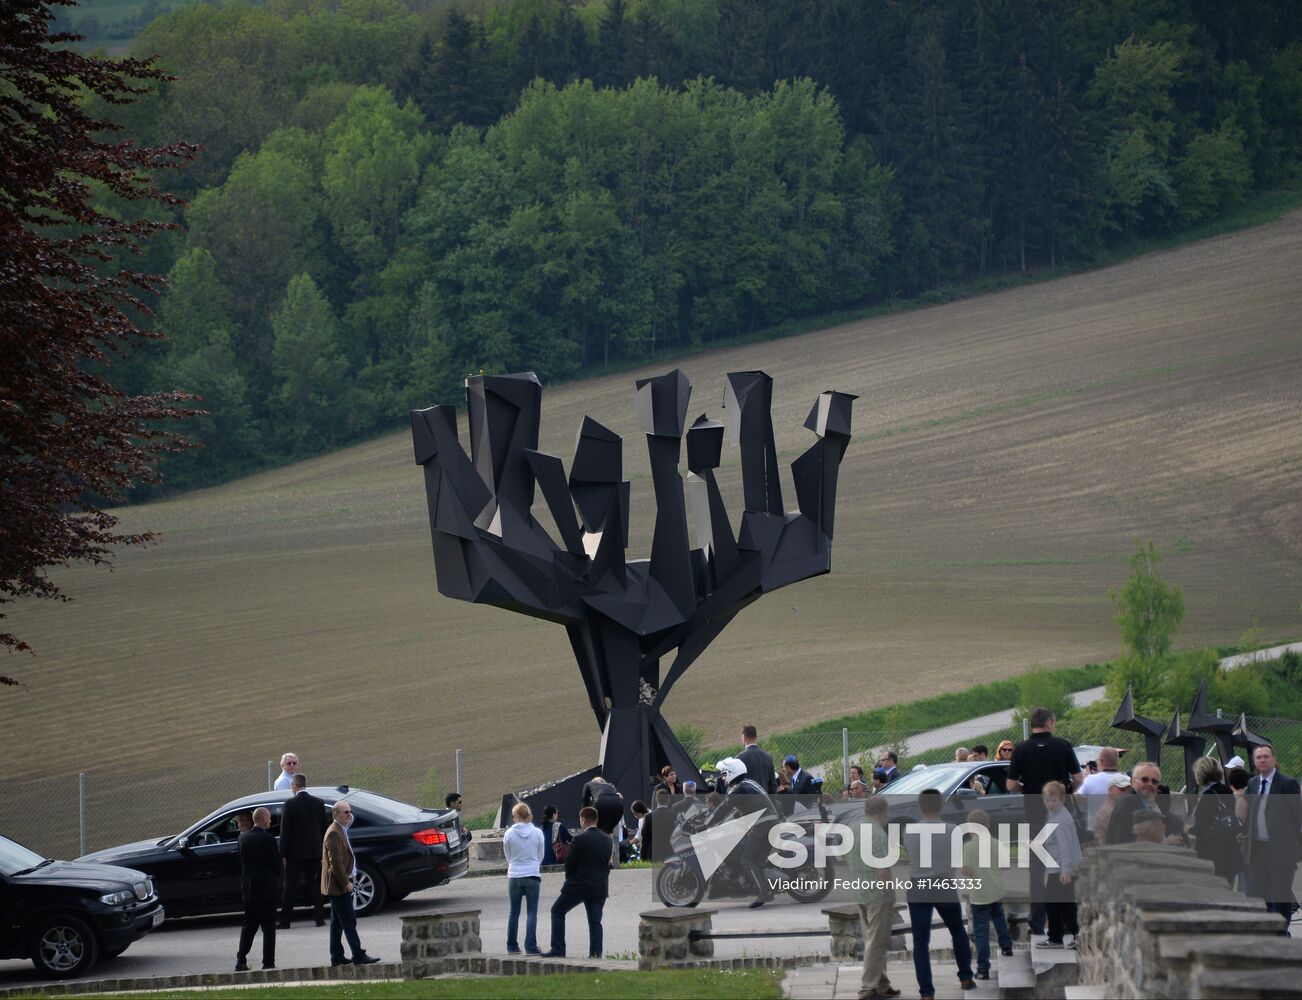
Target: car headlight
119, 898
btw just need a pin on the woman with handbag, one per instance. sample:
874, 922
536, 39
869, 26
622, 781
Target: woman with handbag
1216, 827
556, 838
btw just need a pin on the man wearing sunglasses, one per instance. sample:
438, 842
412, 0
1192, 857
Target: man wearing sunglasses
1145, 780
338, 868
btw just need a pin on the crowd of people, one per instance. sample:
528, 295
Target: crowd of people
1249, 825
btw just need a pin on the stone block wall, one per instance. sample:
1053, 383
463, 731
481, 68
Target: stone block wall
1149, 913
427, 938
847, 933
664, 938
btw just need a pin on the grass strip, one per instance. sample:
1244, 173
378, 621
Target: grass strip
741, 984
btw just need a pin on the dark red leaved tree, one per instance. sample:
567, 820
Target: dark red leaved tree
70, 442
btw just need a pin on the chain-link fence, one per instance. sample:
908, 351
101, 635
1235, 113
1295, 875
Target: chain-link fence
830, 753
71, 814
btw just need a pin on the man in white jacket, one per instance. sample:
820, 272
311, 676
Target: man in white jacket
523, 845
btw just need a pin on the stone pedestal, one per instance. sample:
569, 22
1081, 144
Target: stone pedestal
664, 938
847, 933
428, 938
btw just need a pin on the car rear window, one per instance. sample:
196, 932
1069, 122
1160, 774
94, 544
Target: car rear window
383, 808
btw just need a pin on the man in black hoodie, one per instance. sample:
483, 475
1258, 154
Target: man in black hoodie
587, 881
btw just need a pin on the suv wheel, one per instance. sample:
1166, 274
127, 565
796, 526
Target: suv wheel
368, 891
64, 947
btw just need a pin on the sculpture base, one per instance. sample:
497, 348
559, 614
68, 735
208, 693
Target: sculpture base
566, 794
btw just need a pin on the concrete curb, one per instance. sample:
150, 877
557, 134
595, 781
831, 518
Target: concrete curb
254, 977
470, 965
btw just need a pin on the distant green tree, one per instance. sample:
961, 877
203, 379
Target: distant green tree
614, 46
261, 228
1041, 687
1149, 610
374, 156
196, 309
461, 84
1214, 172
308, 362
1134, 91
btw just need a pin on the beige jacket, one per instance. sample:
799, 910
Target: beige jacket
336, 862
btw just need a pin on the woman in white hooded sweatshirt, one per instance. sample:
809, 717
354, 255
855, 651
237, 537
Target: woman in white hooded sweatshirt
523, 845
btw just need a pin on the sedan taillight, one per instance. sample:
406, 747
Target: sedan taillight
430, 837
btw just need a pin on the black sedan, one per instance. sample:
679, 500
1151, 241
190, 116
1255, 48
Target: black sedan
66, 916
400, 848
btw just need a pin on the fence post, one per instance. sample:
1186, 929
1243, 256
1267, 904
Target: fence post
1026, 729
271, 780
845, 756
81, 809
458, 772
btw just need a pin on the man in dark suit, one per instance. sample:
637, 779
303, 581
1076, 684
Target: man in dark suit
802, 782
759, 765
587, 881
302, 828
260, 878
1274, 821
888, 762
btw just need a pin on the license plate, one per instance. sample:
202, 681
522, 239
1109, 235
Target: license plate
454, 839
158, 918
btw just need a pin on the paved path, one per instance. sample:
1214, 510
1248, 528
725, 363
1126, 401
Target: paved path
841, 982
958, 732
207, 944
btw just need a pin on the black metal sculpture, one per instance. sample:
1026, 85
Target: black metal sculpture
623, 616
1151, 729
1193, 745
1202, 720
1244, 737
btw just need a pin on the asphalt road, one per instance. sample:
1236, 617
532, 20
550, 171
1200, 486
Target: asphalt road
207, 944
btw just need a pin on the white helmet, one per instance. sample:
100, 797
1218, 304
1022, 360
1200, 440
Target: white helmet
731, 768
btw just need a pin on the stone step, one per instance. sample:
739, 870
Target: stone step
1085, 992
1015, 975
1044, 959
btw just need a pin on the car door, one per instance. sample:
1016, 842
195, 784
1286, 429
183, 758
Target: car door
211, 874
11, 920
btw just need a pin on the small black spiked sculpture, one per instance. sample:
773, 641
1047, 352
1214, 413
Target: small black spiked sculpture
1151, 729
1202, 720
1244, 737
623, 616
1193, 745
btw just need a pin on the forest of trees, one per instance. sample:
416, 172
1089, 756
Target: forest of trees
394, 194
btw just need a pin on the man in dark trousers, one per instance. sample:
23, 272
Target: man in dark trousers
587, 881
1036, 761
1274, 821
260, 886
759, 765
302, 828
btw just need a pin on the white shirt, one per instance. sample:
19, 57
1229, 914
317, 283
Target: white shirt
284, 783
1095, 790
523, 847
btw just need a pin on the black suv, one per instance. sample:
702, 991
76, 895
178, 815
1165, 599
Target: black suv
65, 916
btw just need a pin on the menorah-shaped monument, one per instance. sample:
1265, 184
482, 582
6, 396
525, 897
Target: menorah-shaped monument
623, 616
